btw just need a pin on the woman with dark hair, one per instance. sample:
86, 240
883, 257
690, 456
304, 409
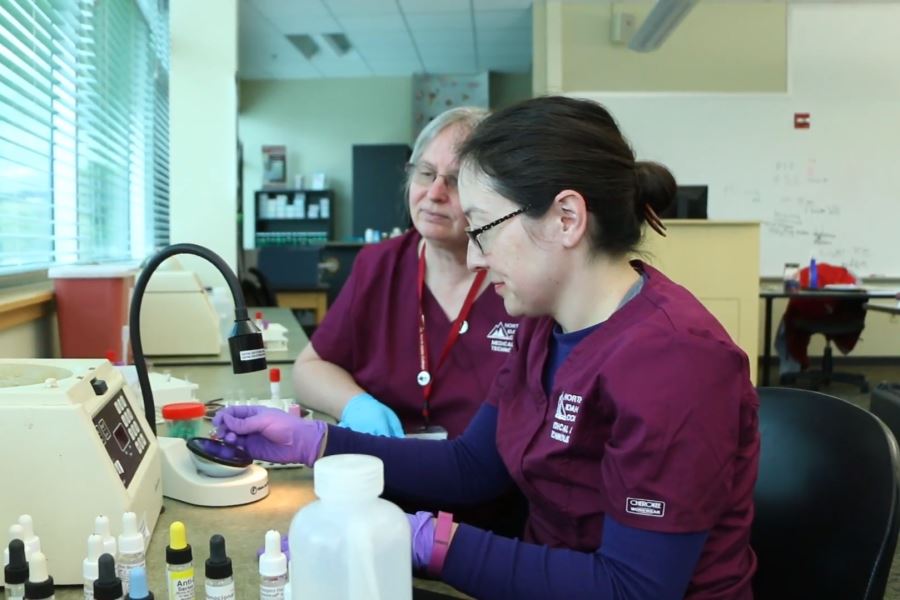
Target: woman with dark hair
625, 413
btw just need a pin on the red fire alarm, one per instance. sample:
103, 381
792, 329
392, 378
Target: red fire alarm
801, 120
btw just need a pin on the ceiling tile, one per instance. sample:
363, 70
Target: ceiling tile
373, 23
356, 8
501, 4
429, 6
448, 67
284, 10
394, 67
503, 19
443, 38
439, 21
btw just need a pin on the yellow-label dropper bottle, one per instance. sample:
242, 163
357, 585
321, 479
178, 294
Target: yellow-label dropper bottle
179, 564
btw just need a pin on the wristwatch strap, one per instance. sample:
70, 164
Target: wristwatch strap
442, 530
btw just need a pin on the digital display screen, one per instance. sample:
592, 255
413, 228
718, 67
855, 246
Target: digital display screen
121, 436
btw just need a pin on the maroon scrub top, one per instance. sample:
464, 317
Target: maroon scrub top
652, 420
371, 331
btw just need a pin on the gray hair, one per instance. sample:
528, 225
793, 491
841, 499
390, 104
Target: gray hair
465, 116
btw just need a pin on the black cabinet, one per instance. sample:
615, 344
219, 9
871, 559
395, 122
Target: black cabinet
294, 217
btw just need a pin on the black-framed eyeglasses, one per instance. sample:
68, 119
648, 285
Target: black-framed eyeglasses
425, 175
474, 233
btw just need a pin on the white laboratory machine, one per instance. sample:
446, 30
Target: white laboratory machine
178, 317
76, 445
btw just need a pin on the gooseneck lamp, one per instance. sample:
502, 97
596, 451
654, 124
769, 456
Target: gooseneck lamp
245, 341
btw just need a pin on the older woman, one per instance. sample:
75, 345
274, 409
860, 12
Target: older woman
414, 339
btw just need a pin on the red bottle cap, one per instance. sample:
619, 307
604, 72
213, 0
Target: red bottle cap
258, 316
274, 375
180, 411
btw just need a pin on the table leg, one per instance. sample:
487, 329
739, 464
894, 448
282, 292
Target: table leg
767, 343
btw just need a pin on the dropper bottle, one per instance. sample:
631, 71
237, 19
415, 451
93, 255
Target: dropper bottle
139, 590
39, 585
101, 528
15, 533
131, 549
108, 586
179, 564
219, 574
15, 573
32, 542
272, 569
90, 570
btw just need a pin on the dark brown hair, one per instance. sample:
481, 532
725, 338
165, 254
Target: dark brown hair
533, 150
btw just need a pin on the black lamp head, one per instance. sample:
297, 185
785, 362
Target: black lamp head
248, 353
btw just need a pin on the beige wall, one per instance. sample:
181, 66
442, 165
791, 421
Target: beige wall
721, 47
319, 120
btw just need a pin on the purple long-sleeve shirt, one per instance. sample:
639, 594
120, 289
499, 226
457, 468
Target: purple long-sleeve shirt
630, 563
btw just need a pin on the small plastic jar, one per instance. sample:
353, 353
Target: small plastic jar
184, 419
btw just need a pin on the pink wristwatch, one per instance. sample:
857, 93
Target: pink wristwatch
442, 530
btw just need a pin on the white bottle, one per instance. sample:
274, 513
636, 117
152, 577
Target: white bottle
16, 532
131, 549
272, 569
32, 542
90, 571
350, 543
101, 528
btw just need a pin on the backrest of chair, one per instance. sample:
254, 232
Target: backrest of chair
826, 498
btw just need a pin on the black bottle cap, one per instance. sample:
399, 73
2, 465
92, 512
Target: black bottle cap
218, 565
107, 586
16, 572
179, 556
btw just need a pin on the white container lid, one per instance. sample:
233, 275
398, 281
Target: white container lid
346, 476
95, 271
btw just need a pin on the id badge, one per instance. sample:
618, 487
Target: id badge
435, 432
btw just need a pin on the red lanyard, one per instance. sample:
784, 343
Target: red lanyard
425, 377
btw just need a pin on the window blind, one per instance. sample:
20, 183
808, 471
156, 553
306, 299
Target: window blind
83, 131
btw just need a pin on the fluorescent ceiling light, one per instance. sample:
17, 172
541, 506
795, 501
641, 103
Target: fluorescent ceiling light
662, 20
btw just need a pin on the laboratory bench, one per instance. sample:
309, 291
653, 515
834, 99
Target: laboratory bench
243, 528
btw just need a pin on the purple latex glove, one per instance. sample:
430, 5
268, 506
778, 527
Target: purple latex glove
271, 434
422, 526
284, 548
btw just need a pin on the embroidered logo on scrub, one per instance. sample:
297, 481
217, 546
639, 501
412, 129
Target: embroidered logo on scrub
501, 336
645, 508
567, 408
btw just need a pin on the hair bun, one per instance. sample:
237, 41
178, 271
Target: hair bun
656, 186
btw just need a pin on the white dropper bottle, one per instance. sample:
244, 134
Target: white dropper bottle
32, 542
39, 585
272, 569
131, 549
101, 528
15, 533
89, 569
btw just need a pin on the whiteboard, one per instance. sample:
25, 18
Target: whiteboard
831, 191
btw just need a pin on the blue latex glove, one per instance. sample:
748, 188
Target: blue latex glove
365, 414
422, 526
271, 434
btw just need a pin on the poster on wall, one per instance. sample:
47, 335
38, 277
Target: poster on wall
433, 94
274, 166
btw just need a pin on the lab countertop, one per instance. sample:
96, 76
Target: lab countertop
243, 528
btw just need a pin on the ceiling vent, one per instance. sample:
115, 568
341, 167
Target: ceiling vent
307, 46
338, 43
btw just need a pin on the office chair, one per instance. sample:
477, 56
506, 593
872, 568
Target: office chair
826, 499
815, 378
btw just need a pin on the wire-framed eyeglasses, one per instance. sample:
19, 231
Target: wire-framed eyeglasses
474, 233
425, 175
